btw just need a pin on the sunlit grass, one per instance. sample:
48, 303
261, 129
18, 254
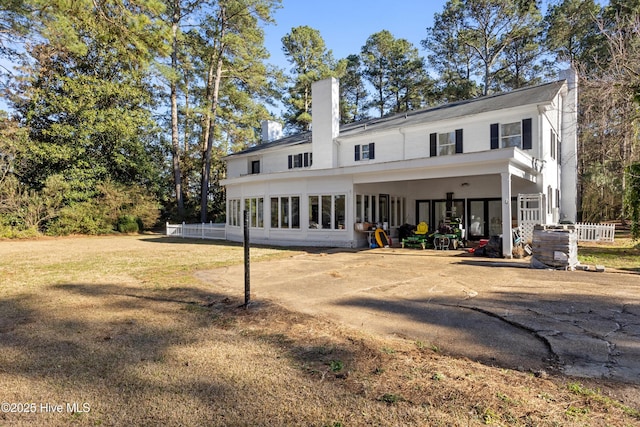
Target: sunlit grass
149, 259
622, 254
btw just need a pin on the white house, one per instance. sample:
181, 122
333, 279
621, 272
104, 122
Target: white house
470, 159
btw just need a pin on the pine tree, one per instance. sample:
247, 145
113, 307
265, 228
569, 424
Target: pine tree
397, 73
472, 37
229, 43
305, 49
353, 92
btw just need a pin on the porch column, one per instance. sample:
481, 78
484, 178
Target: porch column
507, 243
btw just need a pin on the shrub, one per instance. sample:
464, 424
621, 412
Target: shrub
119, 201
12, 232
81, 218
128, 224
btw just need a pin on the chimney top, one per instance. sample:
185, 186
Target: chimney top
271, 130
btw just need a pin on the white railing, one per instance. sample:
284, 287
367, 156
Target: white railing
595, 232
197, 231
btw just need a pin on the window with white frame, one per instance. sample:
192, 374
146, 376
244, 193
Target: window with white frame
511, 135
234, 218
553, 148
397, 211
285, 212
446, 143
515, 134
366, 208
255, 207
300, 160
327, 212
365, 152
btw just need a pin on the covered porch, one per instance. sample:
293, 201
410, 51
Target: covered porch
480, 195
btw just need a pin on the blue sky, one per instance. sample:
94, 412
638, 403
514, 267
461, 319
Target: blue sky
345, 25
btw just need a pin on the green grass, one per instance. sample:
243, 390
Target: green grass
623, 254
596, 396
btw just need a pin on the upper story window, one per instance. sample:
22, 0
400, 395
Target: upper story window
445, 144
554, 146
365, 152
255, 166
511, 135
515, 134
300, 160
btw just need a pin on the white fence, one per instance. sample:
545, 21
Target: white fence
198, 231
595, 232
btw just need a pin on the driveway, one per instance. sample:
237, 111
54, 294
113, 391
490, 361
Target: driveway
499, 312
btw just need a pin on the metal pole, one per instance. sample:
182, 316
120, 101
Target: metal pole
247, 275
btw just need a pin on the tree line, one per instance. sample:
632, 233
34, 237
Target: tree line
122, 111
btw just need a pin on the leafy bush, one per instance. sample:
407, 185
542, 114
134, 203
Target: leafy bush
119, 201
114, 208
81, 218
128, 224
63, 208
9, 232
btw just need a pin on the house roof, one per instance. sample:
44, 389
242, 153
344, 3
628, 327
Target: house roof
533, 95
299, 138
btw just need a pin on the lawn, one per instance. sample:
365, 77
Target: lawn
623, 254
119, 331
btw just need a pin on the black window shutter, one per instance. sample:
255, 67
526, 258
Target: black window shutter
290, 161
299, 159
433, 144
357, 153
310, 159
306, 159
526, 134
495, 141
458, 141
372, 150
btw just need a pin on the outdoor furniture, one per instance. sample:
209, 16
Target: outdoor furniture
442, 241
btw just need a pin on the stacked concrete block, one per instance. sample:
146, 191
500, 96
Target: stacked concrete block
555, 246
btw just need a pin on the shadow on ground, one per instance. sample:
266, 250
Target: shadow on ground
142, 356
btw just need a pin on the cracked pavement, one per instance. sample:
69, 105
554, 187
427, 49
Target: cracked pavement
499, 312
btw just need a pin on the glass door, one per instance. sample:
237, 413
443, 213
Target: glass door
477, 219
422, 212
495, 217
